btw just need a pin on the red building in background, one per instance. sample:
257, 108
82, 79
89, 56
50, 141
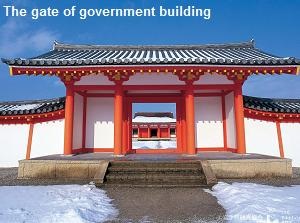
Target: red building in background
153, 126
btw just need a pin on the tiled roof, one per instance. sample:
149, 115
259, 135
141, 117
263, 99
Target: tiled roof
49, 105
216, 54
31, 107
272, 105
154, 114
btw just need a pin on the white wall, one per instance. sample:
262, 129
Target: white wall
100, 123
154, 79
77, 126
94, 80
261, 137
13, 144
213, 79
208, 122
230, 121
48, 138
290, 133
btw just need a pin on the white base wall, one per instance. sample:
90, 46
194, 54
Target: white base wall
100, 123
261, 137
208, 122
13, 144
291, 141
47, 139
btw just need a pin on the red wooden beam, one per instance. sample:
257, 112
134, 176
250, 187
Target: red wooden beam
131, 69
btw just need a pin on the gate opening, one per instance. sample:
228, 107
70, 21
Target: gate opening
154, 126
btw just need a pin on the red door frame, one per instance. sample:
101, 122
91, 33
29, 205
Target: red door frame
158, 98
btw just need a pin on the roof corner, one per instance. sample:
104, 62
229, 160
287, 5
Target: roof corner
252, 42
6, 61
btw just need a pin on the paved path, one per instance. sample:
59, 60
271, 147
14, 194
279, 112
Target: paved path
165, 205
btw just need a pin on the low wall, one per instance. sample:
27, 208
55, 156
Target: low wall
96, 169
16, 141
61, 169
251, 168
262, 138
13, 144
47, 139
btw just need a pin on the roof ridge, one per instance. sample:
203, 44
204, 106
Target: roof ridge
272, 99
37, 101
60, 46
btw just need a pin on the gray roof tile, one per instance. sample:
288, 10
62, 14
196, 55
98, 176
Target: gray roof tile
218, 54
49, 105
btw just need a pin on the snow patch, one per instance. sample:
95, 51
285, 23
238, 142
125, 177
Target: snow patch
154, 144
144, 119
59, 203
249, 202
22, 107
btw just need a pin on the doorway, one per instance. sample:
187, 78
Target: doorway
153, 133
154, 124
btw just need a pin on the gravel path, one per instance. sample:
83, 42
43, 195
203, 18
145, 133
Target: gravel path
165, 205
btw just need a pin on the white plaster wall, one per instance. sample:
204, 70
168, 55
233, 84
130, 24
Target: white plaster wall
291, 141
13, 144
230, 121
94, 80
77, 124
213, 79
154, 79
48, 138
261, 137
208, 122
100, 123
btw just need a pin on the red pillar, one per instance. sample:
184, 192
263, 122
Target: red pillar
125, 134
118, 119
183, 126
29, 142
69, 117
239, 119
280, 143
190, 119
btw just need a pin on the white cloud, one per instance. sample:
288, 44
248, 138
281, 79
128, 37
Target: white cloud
18, 38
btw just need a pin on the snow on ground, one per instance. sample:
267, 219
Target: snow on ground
154, 144
249, 202
144, 119
59, 203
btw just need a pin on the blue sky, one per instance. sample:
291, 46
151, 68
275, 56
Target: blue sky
273, 24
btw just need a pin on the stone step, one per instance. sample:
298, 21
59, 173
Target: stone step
154, 164
155, 174
160, 185
151, 174
154, 178
165, 170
